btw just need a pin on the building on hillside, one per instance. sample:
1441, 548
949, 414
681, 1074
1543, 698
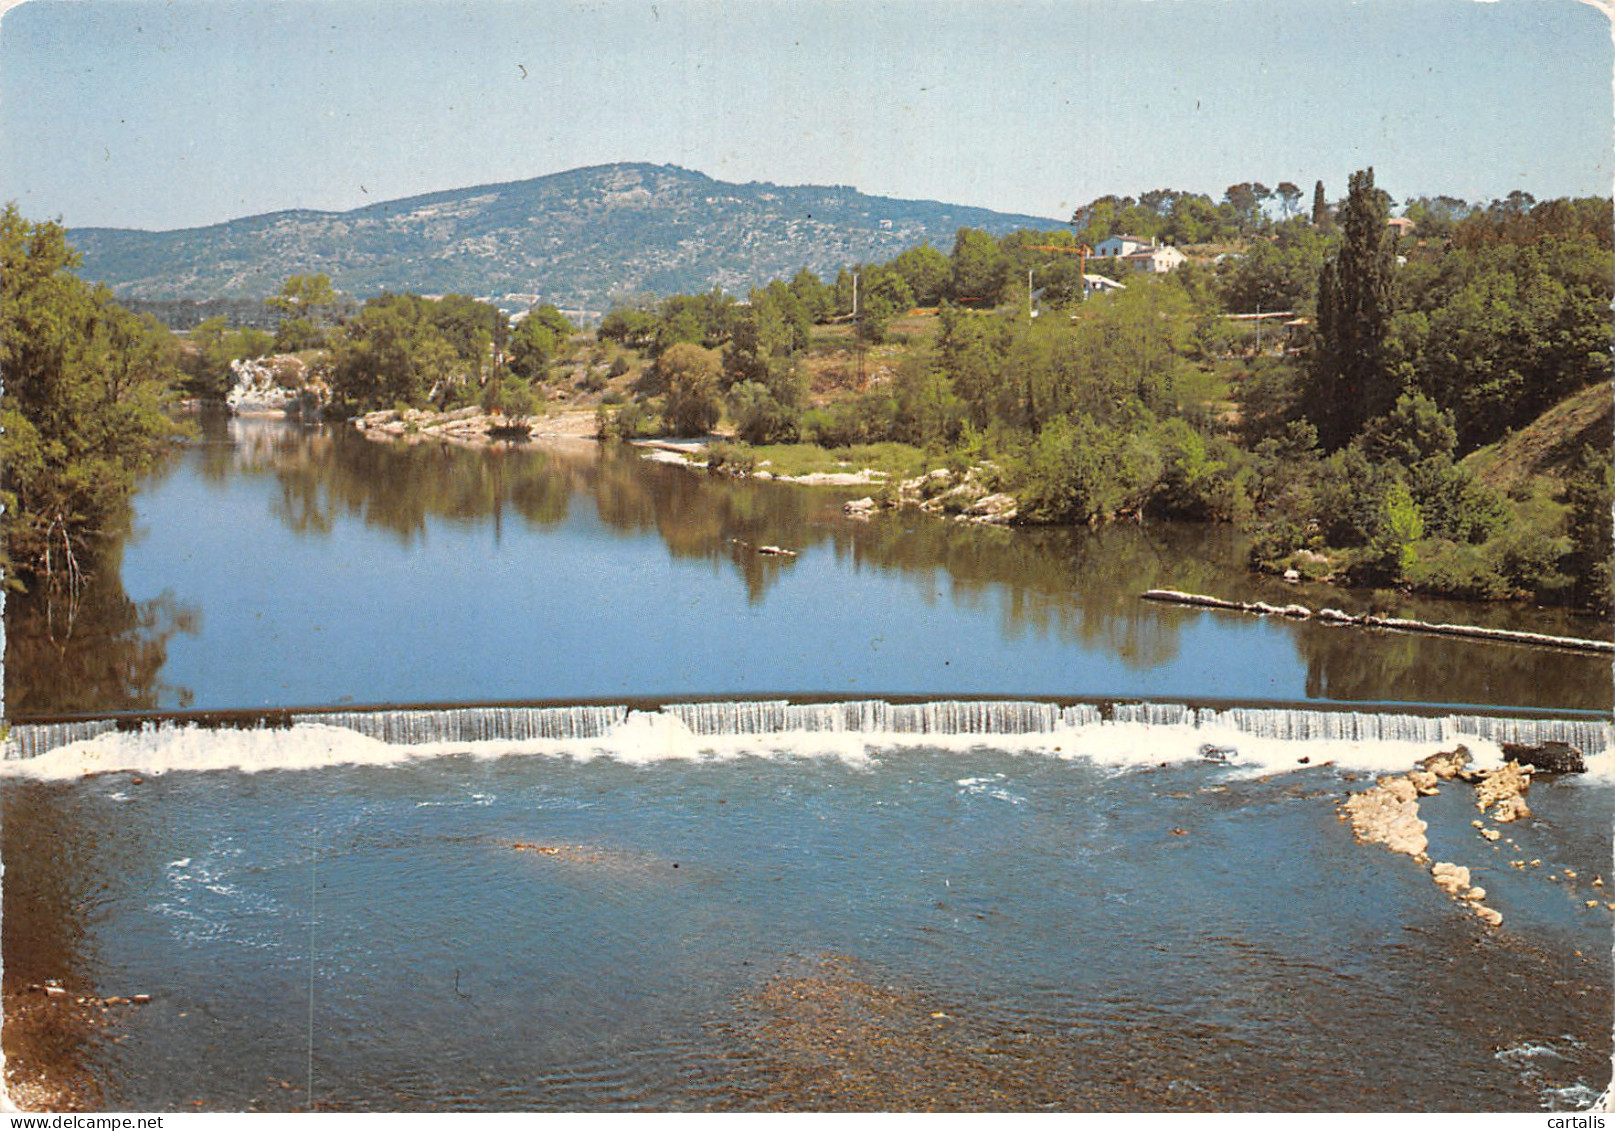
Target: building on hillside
1400, 226
1140, 255
1157, 260
1099, 284
1116, 246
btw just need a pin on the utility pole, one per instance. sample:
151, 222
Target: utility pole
857, 337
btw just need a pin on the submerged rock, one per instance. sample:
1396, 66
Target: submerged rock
1488, 915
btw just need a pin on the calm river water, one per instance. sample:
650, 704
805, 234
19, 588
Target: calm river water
281, 565
987, 912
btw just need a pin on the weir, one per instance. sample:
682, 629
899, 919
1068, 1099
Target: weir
420, 726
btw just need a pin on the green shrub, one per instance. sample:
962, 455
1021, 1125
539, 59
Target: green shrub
1455, 569
1529, 561
730, 459
629, 422
760, 417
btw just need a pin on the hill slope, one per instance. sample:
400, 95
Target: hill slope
1550, 444
574, 238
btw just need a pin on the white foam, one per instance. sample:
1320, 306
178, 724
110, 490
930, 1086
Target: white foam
1264, 741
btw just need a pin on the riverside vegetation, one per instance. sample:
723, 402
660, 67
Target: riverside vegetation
1430, 412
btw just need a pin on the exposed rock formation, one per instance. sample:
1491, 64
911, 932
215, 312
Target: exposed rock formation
281, 383
1547, 758
1501, 790
469, 425
966, 497
1446, 765
1388, 814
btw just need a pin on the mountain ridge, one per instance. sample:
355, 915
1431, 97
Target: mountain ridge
577, 238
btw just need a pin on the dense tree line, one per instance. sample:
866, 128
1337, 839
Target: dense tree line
1345, 454
403, 349
87, 388
1422, 358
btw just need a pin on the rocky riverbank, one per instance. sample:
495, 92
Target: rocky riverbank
471, 426
967, 496
280, 383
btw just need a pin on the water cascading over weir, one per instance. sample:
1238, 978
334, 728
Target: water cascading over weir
872, 720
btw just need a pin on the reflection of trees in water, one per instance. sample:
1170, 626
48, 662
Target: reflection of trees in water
50, 847
1357, 664
400, 487
709, 517
103, 649
1077, 585
1074, 584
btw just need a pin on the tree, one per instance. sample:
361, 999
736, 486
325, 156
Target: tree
689, 374
533, 344
393, 353
511, 397
926, 271
1320, 206
1289, 195
87, 385
305, 300
1590, 492
1415, 429
816, 298
1349, 382
1194, 218
1246, 200
882, 296
977, 266
1279, 274
549, 315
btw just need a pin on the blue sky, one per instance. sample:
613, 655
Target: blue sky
183, 112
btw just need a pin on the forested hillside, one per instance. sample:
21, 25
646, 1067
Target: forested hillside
575, 239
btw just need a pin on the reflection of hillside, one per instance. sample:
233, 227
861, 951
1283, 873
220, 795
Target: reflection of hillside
103, 649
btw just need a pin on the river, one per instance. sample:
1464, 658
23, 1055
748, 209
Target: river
279, 565
699, 861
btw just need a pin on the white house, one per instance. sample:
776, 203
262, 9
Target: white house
1141, 255
1119, 245
1157, 260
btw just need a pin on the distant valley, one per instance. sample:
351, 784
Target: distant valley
579, 239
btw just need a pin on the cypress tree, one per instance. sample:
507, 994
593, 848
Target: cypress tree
1349, 384
1320, 208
